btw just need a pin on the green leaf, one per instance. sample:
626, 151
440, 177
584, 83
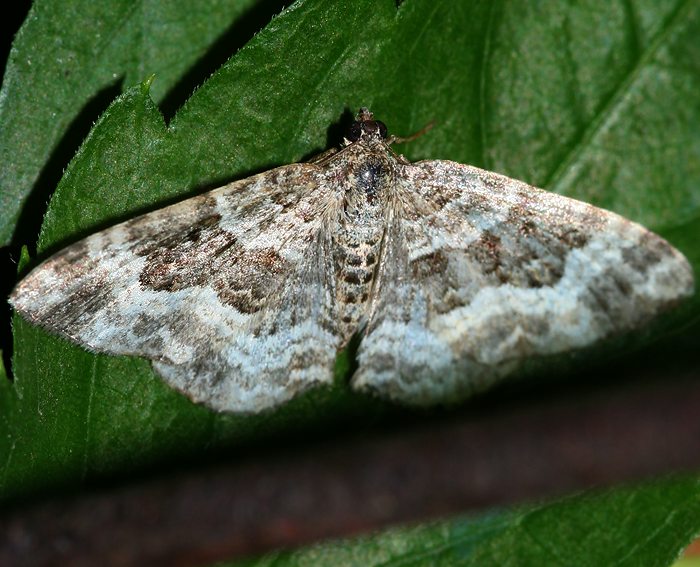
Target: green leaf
629, 526
592, 100
68, 62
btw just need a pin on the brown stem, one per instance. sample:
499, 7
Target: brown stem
516, 453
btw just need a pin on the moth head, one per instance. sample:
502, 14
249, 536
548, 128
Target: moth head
365, 127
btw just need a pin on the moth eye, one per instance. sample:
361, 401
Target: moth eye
382, 128
354, 132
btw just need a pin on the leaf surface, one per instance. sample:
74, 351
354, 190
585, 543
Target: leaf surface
593, 101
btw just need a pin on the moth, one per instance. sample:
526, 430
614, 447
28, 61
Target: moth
452, 277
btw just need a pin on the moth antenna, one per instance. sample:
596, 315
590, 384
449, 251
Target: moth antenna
402, 139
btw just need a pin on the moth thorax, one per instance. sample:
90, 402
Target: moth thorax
372, 176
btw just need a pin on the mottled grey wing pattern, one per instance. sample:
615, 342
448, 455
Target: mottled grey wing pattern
480, 272
453, 275
229, 293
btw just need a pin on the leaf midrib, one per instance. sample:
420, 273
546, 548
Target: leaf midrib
554, 181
